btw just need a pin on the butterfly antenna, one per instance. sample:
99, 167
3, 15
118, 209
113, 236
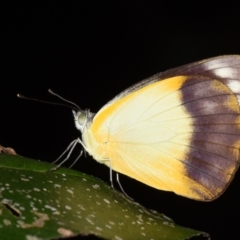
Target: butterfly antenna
65, 100
53, 103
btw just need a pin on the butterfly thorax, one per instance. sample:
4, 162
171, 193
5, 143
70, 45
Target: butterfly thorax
98, 150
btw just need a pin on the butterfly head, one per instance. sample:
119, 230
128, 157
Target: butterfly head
82, 119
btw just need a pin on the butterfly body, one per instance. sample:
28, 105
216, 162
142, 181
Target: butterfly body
176, 131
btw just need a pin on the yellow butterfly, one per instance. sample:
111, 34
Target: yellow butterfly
176, 131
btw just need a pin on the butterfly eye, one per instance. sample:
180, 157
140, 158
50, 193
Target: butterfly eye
80, 119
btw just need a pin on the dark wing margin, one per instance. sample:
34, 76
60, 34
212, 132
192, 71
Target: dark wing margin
213, 155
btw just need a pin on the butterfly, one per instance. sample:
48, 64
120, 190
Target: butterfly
177, 131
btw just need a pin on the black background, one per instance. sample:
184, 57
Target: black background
88, 52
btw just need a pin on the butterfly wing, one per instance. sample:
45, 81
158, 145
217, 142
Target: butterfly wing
179, 133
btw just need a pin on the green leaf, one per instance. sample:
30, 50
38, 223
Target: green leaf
37, 204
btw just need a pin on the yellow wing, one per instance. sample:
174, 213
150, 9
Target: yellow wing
179, 134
